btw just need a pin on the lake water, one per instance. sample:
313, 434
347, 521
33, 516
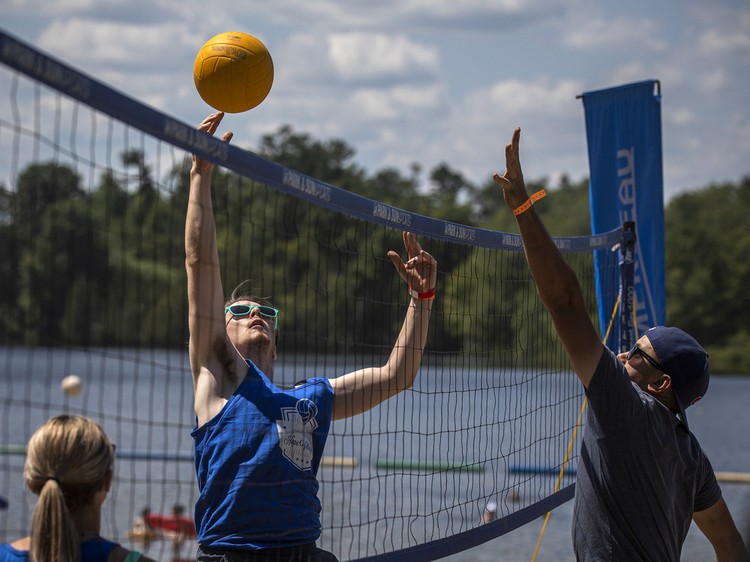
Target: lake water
143, 400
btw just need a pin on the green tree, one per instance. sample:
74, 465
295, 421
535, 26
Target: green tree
707, 271
110, 264
65, 253
38, 187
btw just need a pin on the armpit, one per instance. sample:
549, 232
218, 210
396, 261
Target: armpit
226, 359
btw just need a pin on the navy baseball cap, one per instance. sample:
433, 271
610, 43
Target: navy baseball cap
685, 361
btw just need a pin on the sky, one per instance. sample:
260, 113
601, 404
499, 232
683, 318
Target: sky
434, 81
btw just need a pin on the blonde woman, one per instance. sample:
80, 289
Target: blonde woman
69, 463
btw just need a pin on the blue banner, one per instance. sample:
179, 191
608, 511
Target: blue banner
623, 130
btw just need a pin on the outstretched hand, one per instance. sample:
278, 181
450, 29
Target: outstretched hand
420, 271
209, 125
514, 188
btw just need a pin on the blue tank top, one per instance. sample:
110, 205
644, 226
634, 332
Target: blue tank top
257, 461
95, 550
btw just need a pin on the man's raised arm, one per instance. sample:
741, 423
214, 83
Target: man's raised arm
556, 282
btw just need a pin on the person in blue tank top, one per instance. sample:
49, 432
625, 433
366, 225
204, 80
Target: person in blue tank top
642, 475
258, 446
69, 465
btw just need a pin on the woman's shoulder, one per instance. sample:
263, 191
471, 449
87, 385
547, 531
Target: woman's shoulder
14, 552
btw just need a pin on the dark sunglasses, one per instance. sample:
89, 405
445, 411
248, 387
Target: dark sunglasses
650, 360
246, 309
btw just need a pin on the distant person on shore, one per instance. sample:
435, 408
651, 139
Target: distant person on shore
258, 446
642, 476
69, 465
142, 530
490, 512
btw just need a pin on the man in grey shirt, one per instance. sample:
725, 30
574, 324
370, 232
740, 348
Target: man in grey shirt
642, 475
638, 457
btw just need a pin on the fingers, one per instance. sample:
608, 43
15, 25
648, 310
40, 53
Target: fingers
410, 243
512, 162
500, 179
516, 139
420, 270
416, 253
422, 258
211, 123
396, 259
514, 152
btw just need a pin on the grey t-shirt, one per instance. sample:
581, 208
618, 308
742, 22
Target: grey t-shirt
641, 476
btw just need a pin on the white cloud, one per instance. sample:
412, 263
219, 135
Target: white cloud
44, 7
635, 71
375, 56
540, 97
469, 16
395, 103
478, 16
713, 81
616, 32
680, 116
133, 45
721, 29
719, 42
302, 60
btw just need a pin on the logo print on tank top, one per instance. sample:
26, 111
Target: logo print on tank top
295, 432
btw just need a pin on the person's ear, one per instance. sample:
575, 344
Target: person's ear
662, 384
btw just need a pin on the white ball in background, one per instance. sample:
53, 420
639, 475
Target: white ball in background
72, 385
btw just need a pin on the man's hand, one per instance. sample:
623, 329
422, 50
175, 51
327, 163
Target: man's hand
514, 189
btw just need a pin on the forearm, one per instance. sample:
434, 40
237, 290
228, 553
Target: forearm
406, 357
556, 282
732, 553
717, 525
200, 227
732, 549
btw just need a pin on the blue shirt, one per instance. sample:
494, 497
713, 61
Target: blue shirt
95, 550
257, 461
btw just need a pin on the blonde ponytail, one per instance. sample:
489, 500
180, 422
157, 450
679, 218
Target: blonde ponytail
69, 459
53, 535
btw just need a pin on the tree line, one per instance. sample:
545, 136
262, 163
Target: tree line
103, 264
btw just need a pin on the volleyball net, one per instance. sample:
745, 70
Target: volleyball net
93, 195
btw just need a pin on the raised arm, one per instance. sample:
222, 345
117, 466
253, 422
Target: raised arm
209, 345
361, 390
555, 280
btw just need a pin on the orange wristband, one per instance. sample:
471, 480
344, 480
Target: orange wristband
425, 296
526, 205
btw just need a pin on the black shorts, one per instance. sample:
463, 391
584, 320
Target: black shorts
304, 553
